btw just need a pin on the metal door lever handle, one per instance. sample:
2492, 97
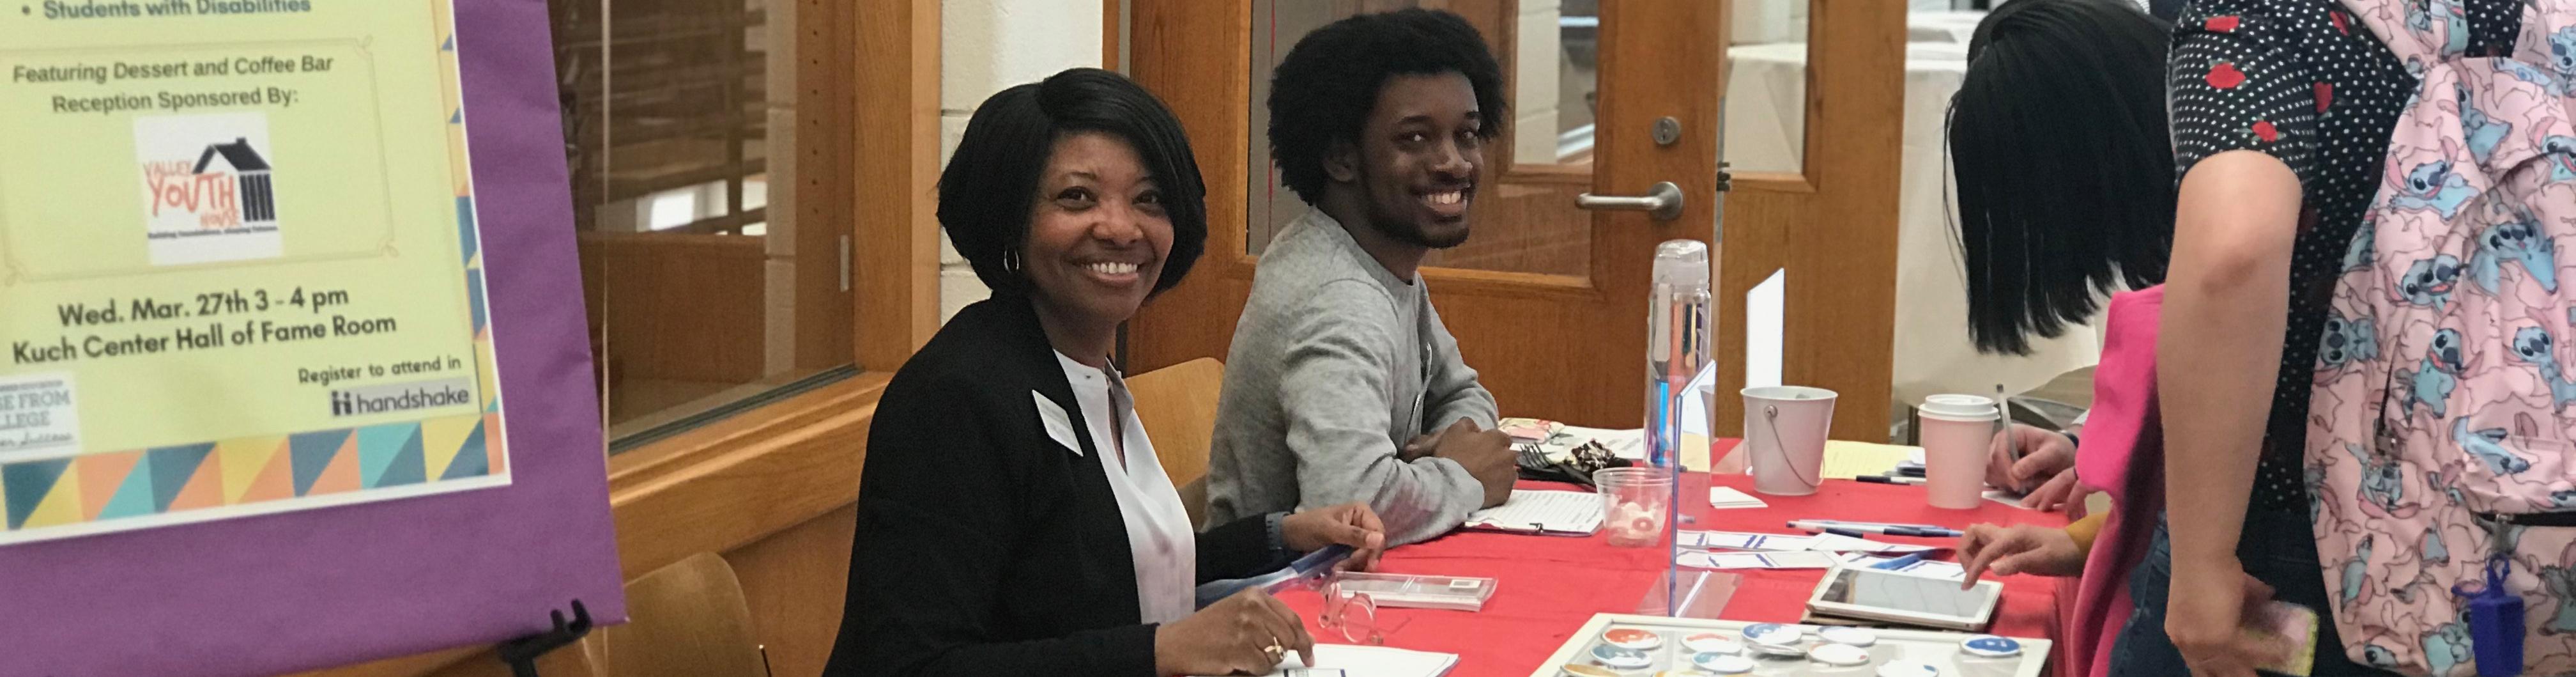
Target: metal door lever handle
1663, 201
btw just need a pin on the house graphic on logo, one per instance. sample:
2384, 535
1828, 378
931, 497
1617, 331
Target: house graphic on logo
258, 197
207, 199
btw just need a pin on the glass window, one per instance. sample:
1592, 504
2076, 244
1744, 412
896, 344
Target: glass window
707, 283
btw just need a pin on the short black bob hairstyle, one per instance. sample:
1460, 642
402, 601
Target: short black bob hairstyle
990, 187
1323, 90
2064, 167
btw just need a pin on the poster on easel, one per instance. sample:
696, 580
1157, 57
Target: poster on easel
247, 225
287, 293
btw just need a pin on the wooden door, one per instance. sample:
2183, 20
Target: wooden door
1549, 301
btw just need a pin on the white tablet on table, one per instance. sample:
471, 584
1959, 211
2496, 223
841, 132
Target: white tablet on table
1911, 599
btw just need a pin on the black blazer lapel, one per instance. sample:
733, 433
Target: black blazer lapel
1104, 534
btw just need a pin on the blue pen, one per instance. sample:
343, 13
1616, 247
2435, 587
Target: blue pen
1875, 524
1900, 563
1925, 533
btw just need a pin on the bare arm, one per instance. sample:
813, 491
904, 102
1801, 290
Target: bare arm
2226, 307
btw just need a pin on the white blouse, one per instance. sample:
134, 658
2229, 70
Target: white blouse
1159, 533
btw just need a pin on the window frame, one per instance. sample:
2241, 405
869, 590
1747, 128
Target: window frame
868, 106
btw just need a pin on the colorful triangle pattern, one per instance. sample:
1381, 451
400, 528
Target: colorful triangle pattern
474, 296
133, 496
24, 486
244, 461
172, 467
469, 460
310, 453
465, 234
379, 445
101, 474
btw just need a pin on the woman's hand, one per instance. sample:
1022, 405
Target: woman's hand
2205, 615
1351, 524
2023, 549
1247, 633
2024, 456
2065, 492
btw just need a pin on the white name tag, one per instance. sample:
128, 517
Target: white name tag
1059, 427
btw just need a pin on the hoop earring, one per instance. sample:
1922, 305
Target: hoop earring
1011, 260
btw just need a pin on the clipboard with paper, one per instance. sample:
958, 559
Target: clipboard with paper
1551, 513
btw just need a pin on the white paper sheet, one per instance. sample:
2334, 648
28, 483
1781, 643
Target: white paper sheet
1369, 661
1551, 512
1756, 560
1738, 540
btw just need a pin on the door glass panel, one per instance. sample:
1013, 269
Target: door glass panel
1524, 217
1766, 103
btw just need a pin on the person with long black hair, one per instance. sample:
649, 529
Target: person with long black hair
2057, 140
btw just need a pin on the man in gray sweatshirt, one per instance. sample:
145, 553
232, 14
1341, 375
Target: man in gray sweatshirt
1342, 384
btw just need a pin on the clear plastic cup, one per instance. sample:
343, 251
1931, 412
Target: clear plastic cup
1635, 502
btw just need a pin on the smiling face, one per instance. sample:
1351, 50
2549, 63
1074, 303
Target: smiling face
1098, 232
1414, 164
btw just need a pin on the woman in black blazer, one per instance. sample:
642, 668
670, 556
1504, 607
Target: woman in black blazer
997, 534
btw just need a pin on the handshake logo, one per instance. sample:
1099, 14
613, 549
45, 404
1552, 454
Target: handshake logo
402, 397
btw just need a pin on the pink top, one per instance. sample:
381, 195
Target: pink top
2121, 455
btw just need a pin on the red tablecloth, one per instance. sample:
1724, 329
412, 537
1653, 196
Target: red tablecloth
1548, 586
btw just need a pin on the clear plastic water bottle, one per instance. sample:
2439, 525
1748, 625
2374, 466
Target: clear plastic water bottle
1676, 344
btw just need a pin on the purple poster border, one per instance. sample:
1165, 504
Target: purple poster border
296, 591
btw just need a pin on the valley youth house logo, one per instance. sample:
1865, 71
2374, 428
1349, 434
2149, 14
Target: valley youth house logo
401, 397
226, 190
209, 187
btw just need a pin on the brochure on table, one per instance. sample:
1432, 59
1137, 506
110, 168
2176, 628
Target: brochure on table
1672, 640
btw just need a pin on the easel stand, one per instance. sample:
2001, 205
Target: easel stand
522, 653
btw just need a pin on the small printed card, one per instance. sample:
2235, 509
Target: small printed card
1724, 498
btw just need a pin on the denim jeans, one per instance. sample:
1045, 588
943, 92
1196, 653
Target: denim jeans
2277, 549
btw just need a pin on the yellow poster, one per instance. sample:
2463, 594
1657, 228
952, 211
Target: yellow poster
238, 265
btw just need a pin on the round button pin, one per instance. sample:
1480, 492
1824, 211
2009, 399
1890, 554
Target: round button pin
1588, 671
1848, 635
1772, 633
1618, 658
1723, 664
1990, 646
1633, 638
1710, 642
1780, 650
1908, 669
1839, 654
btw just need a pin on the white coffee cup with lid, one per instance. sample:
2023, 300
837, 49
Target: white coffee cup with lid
1957, 431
